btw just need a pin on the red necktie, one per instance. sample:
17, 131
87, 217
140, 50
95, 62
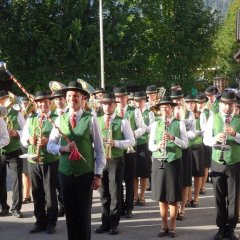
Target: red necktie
121, 112
73, 120
107, 122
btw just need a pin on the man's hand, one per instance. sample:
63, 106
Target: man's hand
96, 183
33, 140
230, 131
42, 141
71, 146
220, 137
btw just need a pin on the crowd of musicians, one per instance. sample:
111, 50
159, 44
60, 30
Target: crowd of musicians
74, 142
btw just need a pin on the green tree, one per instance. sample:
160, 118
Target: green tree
226, 45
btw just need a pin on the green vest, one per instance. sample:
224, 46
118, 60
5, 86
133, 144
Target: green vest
14, 141
215, 107
116, 134
173, 151
206, 112
130, 116
82, 137
144, 138
230, 156
198, 139
46, 130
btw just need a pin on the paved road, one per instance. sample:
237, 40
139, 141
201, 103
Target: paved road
145, 224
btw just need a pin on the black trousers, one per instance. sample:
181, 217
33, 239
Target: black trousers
77, 198
128, 177
226, 190
43, 179
59, 191
110, 191
15, 165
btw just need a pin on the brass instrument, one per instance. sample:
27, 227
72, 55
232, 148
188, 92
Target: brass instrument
107, 146
163, 158
31, 107
9, 124
161, 92
12, 100
223, 147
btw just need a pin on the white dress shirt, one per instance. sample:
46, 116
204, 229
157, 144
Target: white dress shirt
182, 141
190, 124
209, 139
138, 120
4, 136
25, 132
21, 122
151, 117
53, 145
129, 140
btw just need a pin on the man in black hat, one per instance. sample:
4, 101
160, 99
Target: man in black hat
143, 163
77, 174
15, 122
117, 135
134, 116
152, 95
213, 103
223, 134
43, 168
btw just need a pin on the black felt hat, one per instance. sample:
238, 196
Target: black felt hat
165, 101
40, 95
201, 98
211, 90
75, 86
176, 94
190, 98
120, 91
176, 87
139, 96
99, 90
151, 89
108, 98
227, 97
58, 94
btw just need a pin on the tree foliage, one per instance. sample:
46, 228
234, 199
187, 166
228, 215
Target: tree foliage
145, 41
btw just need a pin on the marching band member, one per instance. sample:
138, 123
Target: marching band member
152, 95
168, 134
134, 116
77, 178
143, 163
15, 123
204, 115
4, 141
43, 170
224, 128
181, 113
196, 149
213, 103
117, 135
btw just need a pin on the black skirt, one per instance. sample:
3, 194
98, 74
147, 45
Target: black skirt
167, 182
207, 155
143, 162
198, 165
187, 167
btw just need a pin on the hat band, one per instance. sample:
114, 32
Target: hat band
227, 100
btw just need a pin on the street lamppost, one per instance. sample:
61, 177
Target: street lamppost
101, 44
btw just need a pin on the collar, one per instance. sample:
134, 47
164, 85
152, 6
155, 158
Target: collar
48, 114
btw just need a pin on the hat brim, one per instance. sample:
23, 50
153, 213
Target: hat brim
165, 103
58, 96
96, 92
210, 93
224, 100
36, 99
191, 100
150, 92
108, 101
139, 98
75, 89
120, 94
202, 100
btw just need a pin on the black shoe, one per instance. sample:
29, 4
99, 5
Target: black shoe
128, 214
50, 229
114, 230
101, 229
148, 189
27, 200
61, 212
4, 212
37, 229
221, 234
17, 214
232, 235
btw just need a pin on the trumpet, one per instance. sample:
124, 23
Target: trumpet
163, 158
107, 146
37, 148
223, 146
9, 124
